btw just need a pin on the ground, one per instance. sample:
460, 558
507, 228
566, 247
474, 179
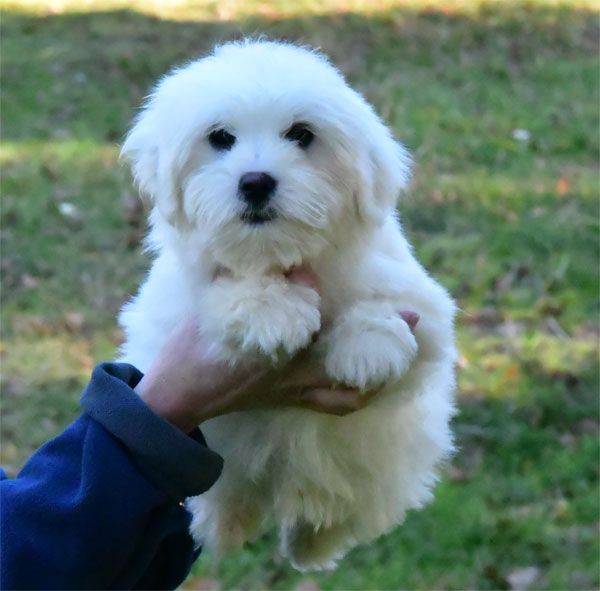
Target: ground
498, 102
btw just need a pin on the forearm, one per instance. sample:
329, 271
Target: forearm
95, 506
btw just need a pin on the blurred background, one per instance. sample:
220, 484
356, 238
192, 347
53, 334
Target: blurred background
498, 102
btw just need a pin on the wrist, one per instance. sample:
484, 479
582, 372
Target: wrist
166, 401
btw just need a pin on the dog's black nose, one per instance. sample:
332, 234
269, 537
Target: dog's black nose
256, 188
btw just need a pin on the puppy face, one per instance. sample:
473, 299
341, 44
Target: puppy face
264, 154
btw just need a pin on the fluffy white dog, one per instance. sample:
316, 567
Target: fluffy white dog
256, 159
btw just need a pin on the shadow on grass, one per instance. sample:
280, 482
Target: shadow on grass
83, 74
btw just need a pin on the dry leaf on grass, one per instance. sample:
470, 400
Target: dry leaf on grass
521, 579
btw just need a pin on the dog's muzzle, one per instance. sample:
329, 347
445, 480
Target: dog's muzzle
256, 190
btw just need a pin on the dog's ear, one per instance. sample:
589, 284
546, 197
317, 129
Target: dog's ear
155, 167
384, 168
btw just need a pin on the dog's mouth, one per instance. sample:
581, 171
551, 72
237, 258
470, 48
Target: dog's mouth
256, 218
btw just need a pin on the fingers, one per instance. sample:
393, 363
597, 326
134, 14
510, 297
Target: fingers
339, 402
321, 397
411, 318
306, 371
304, 276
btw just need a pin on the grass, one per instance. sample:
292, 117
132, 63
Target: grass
509, 225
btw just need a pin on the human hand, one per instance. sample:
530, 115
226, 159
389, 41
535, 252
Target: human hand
188, 384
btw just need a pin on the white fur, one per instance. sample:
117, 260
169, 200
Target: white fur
327, 482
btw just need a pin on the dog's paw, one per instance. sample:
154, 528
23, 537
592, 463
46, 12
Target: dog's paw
312, 548
266, 315
223, 526
369, 346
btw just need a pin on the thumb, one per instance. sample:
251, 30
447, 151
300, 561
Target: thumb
338, 402
303, 275
411, 318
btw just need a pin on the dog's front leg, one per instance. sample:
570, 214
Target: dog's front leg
264, 315
368, 345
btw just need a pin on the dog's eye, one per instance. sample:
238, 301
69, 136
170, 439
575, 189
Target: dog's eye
220, 139
301, 134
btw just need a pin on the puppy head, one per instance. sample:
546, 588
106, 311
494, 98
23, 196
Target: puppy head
263, 151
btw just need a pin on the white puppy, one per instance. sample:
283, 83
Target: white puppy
258, 158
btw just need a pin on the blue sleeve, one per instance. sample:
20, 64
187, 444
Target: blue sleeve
98, 507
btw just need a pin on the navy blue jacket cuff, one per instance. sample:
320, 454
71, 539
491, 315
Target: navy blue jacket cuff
180, 464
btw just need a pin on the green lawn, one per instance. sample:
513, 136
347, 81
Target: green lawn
499, 104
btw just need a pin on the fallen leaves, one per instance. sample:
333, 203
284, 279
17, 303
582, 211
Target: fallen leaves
202, 584
512, 373
134, 214
29, 281
71, 322
133, 209
562, 186
521, 135
521, 579
69, 211
74, 322
518, 579
307, 585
